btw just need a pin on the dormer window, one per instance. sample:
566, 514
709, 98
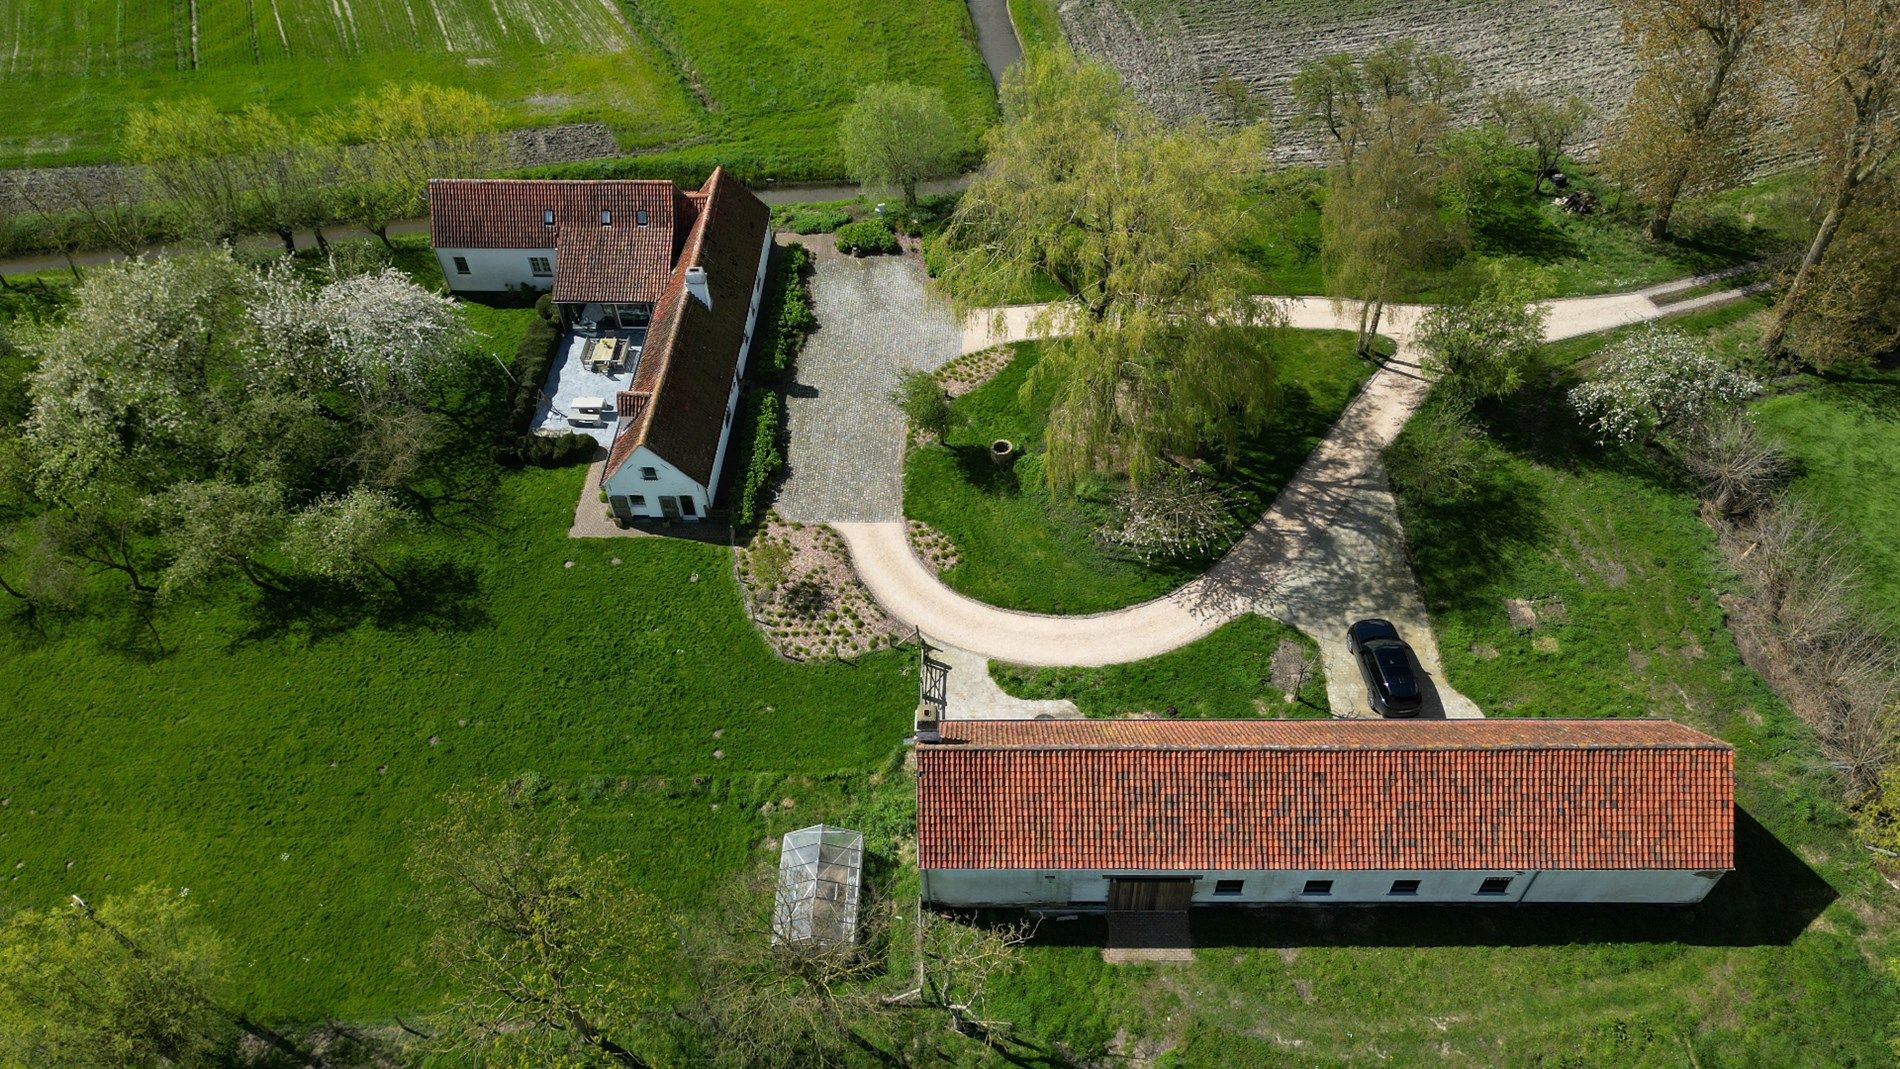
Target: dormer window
606, 217
639, 217
547, 217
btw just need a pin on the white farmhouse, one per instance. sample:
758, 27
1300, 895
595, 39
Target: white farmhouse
676, 275
1158, 815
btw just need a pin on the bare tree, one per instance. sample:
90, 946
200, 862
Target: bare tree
1846, 67
1740, 470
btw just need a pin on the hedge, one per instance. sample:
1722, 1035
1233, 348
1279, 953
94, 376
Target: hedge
533, 357
788, 311
765, 415
866, 236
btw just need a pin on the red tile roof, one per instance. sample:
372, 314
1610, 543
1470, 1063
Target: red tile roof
621, 262
1325, 795
692, 352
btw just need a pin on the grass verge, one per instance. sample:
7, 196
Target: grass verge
1229, 674
1024, 549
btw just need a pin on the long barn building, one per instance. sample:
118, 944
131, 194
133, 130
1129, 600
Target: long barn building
1159, 814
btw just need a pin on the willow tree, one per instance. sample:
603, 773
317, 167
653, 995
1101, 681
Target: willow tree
1387, 113
1846, 66
1138, 225
1697, 98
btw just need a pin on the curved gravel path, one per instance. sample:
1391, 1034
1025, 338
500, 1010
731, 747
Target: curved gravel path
1328, 551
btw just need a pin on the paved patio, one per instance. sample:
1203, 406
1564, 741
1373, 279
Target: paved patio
570, 378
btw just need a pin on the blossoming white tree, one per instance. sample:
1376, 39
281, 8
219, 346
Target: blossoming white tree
1657, 382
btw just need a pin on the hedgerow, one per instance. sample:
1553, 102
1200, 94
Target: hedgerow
788, 311
765, 415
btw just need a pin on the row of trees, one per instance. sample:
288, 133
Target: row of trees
1714, 74
193, 417
195, 172
547, 955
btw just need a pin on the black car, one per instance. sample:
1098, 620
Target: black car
1386, 662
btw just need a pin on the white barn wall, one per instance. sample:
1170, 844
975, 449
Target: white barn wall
494, 270
1089, 887
671, 483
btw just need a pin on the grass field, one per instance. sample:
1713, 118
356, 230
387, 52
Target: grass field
1560, 254
1784, 965
1225, 675
1844, 432
660, 72
268, 758
1023, 549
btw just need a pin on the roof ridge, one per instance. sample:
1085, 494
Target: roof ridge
675, 294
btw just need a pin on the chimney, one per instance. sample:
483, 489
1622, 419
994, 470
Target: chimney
696, 285
928, 718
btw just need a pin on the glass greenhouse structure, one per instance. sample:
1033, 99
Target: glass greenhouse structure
820, 870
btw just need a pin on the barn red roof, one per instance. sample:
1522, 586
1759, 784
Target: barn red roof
1325, 795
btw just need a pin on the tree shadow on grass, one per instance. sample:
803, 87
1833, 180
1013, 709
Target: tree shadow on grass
429, 595
983, 474
1769, 900
1460, 543
1524, 229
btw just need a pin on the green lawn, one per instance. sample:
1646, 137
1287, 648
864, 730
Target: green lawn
1023, 549
660, 72
1225, 675
1785, 963
1566, 255
1844, 432
268, 756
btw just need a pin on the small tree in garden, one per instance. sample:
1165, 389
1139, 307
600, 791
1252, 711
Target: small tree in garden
1178, 516
924, 403
347, 536
551, 955
1658, 382
128, 981
1545, 124
1483, 346
897, 135
215, 527
1441, 452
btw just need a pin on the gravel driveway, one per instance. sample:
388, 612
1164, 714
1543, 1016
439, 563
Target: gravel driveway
875, 322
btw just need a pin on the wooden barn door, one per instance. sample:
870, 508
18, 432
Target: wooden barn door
1166, 895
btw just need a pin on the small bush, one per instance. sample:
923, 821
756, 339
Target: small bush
805, 599
544, 306
924, 402
548, 451
771, 564
867, 237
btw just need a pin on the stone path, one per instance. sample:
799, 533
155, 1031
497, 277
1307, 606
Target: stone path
972, 694
1330, 549
846, 455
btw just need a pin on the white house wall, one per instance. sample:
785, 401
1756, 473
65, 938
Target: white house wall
1088, 888
494, 270
745, 356
668, 482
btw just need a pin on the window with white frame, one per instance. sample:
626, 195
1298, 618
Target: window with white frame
541, 266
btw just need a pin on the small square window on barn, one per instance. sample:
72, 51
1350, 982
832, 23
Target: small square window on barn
1229, 887
1495, 885
1317, 887
461, 265
640, 217
547, 217
541, 266
650, 474
1404, 887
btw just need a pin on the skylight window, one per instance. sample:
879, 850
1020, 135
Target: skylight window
640, 217
606, 217
547, 217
